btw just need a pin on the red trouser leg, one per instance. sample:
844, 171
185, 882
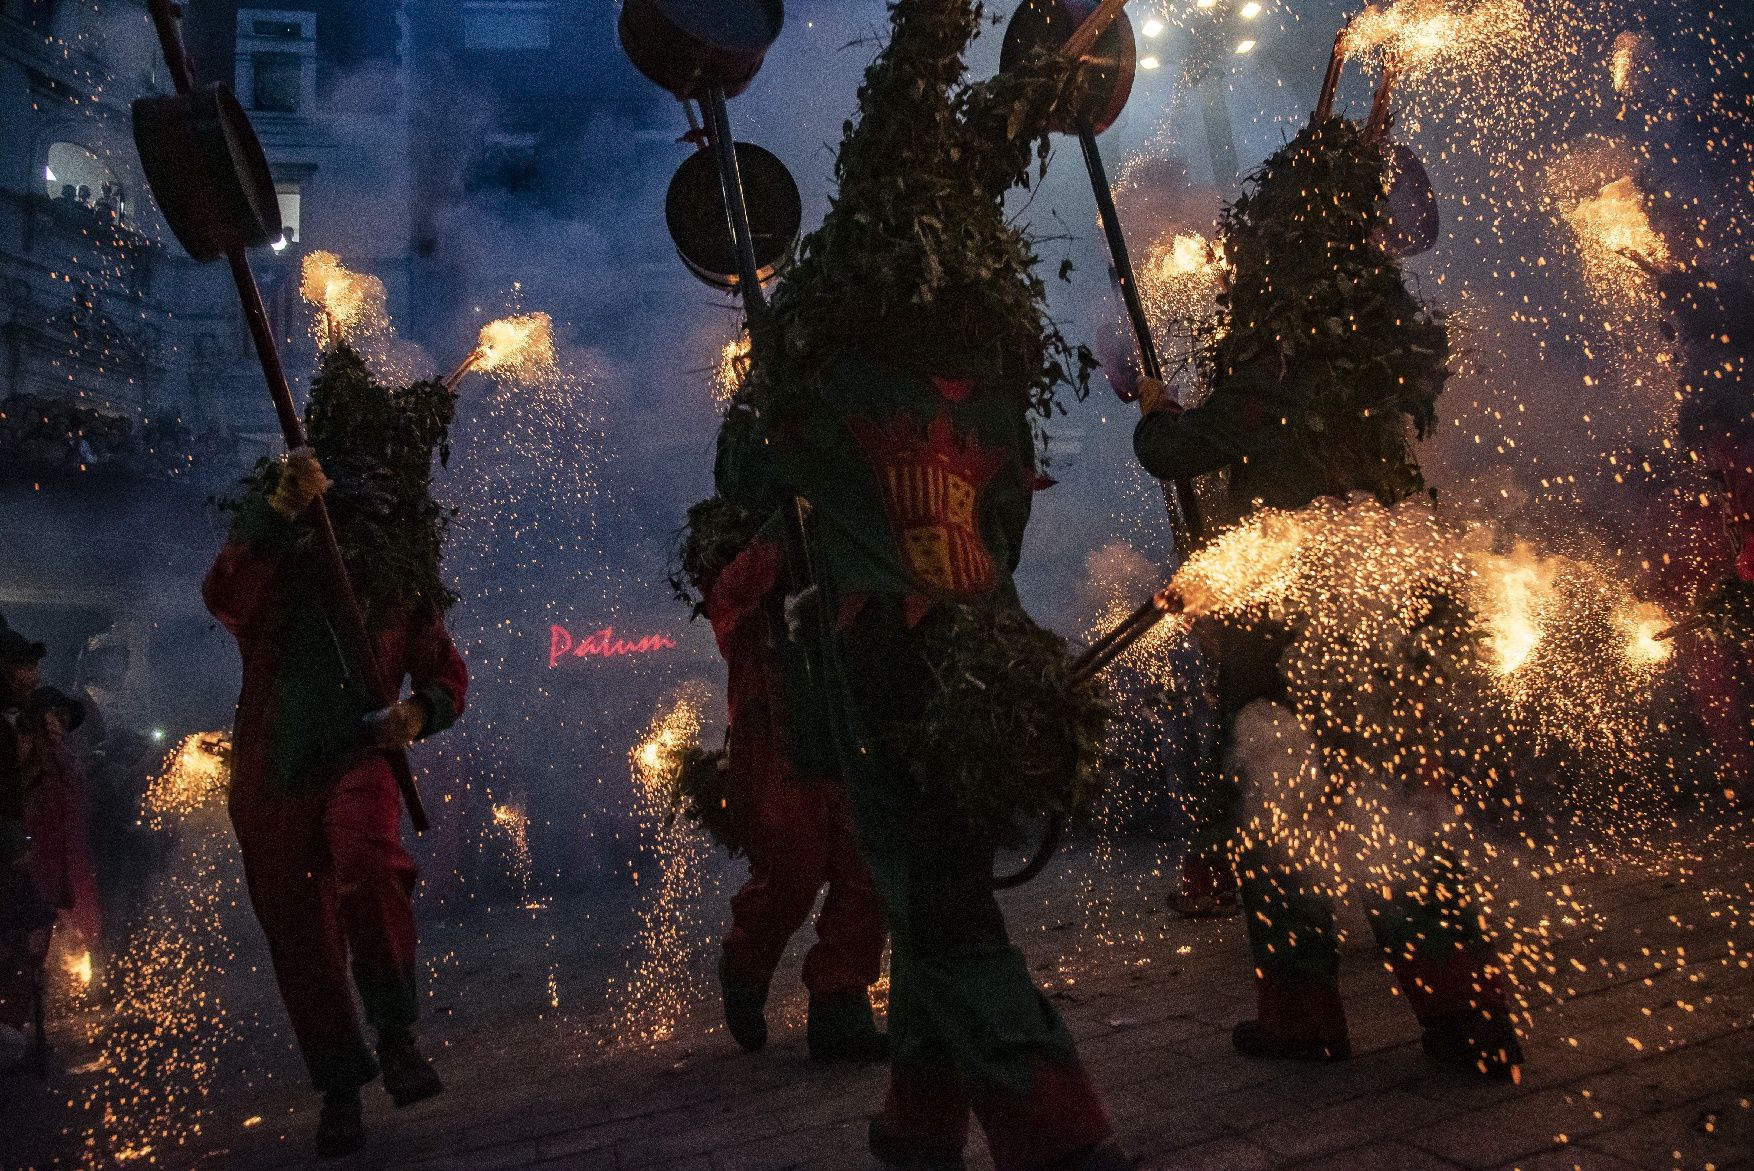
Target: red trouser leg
788, 863
1059, 1117
848, 955
374, 885
326, 870
287, 868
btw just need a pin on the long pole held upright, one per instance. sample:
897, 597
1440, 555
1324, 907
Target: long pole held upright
343, 603
1180, 493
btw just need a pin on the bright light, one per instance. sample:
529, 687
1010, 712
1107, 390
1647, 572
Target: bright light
1152, 27
1245, 47
1204, 3
157, 735
1149, 62
49, 174
1251, 10
279, 243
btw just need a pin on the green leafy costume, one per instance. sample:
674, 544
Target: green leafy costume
891, 387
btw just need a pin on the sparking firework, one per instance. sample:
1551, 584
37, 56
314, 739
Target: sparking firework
666, 981
520, 348
350, 305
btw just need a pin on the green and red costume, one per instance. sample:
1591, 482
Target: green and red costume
1430, 929
792, 813
919, 488
315, 807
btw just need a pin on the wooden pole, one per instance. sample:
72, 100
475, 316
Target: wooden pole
1084, 38
1184, 505
342, 602
1331, 83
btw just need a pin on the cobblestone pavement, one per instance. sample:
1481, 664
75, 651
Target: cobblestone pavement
1640, 1057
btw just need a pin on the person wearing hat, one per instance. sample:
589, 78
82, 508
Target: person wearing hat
56, 810
313, 799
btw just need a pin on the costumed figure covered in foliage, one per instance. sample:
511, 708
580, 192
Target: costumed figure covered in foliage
313, 797
890, 397
774, 794
1323, 368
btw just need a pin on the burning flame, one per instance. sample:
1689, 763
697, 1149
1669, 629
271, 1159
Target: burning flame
523, 346
1250, 564
79, 968
1420, 34
733, 368
1614, 222
1513, 596
195, 774
349, 303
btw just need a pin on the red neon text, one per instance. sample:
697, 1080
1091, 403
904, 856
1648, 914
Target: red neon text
601, 645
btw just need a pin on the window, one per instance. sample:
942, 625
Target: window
290, 201
278, 79
276, 62
74, 175
504, 26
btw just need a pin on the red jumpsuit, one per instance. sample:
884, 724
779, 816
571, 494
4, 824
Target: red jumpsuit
327, 874
798, 830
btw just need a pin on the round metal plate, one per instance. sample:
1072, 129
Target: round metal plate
694, 209
207, 171
1109, 70
689, 46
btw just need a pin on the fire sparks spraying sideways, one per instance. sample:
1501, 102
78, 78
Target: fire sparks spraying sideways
1419, 35
520, 348
732, 369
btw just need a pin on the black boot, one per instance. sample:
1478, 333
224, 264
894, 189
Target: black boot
745, 1011
341, 1126
1104, 1156
841, 1029
1476, 1042
894, 1152
408, 1076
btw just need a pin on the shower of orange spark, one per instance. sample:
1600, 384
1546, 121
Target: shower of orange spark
349, 304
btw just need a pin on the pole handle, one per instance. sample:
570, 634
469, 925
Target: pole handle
1084, 38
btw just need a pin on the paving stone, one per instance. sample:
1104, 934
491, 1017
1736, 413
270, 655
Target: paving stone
1353, 1123
1517, 1128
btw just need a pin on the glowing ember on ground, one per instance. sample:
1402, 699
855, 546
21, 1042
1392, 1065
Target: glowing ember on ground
350, 303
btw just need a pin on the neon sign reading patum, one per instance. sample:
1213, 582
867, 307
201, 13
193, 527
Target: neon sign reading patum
601, 644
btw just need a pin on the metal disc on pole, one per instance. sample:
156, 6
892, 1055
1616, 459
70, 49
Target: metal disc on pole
1109, 69
692, 46
700, 224
207, 171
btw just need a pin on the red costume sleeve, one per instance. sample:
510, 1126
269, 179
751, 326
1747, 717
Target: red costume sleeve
241, 586
438, 674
